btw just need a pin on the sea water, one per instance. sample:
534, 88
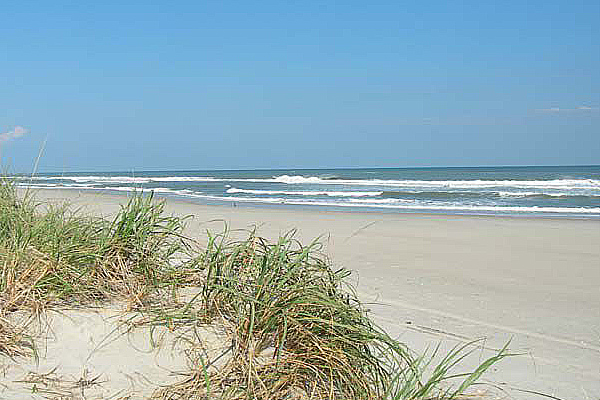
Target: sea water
562, 191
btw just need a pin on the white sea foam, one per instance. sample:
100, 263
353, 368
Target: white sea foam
184, 192
527, 194
562, 184
373, 203
128, 179
305, 193
409, 205
380, 201
98, 179
458, 184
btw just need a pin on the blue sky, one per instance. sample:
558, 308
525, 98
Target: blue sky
227, 85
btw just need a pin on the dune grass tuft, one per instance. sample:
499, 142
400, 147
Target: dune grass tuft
283, 300
51, 255
297, 329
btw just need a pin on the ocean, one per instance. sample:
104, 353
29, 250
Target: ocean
559, 191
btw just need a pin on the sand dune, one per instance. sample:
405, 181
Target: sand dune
431, 278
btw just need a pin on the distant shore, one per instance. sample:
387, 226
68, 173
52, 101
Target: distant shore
451, 278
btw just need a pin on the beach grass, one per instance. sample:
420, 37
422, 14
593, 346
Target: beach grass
296, 327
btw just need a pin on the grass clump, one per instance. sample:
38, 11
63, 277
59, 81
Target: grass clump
300, 332
52, 255
284, 301
297, 330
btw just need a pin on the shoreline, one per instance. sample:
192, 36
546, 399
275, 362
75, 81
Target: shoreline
560, 191
326, 208
432, 277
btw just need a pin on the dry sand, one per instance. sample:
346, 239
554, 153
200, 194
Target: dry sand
432, 278
89, 354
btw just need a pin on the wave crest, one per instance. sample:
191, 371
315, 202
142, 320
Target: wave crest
304, 193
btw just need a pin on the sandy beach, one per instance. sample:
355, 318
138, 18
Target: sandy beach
300, 200
451, 279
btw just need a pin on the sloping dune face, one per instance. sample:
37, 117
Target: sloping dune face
99, 354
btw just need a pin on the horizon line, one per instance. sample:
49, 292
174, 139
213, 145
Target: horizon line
314, 168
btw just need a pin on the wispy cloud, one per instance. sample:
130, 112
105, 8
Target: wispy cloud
563, 110
16, 132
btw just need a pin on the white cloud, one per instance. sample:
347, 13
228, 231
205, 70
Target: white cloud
16, 132
561, 110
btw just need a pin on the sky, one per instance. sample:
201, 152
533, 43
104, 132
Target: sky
191, 85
